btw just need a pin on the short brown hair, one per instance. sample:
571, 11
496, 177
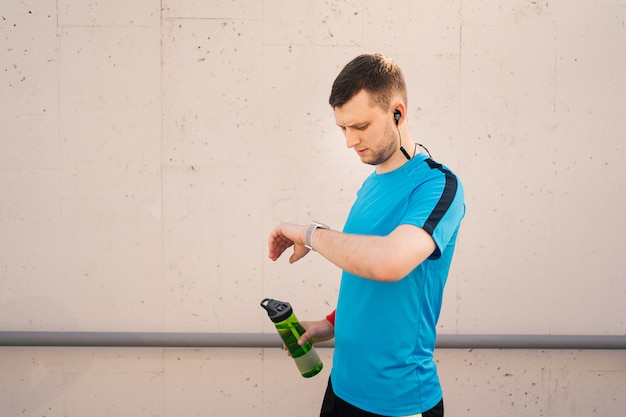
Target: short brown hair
376, 74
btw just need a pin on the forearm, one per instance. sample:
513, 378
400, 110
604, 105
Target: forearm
380, 258
360, 255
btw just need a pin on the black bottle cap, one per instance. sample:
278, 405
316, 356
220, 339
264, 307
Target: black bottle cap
277, 310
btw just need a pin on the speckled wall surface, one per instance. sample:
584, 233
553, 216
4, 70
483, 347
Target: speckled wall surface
147, 148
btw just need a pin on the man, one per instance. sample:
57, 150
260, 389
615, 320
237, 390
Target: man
395, 252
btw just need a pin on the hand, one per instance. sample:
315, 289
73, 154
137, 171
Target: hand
317, 331
283, 237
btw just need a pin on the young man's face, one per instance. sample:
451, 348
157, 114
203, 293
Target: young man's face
368, 129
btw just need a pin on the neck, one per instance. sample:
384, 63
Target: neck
397, 159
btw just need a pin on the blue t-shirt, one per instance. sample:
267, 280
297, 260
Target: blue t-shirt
385, 332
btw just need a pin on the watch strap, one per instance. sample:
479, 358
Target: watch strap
309, 233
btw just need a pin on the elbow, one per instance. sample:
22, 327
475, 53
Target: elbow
388, 272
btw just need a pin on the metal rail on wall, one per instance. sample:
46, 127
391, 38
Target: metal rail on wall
263, 340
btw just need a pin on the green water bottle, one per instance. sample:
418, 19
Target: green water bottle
290, 330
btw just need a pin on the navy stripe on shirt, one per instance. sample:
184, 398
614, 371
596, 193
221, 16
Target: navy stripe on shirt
445, 201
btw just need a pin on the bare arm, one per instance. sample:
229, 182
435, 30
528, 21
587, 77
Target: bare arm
380, 258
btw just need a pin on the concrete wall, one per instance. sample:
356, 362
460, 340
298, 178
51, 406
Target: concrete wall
147, 148
60, 382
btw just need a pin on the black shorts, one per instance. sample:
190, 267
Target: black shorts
333, 406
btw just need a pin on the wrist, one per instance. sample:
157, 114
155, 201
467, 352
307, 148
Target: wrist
310, 230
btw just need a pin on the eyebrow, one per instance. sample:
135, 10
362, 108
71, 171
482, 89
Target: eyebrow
357, 125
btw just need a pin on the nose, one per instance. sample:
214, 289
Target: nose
352, 137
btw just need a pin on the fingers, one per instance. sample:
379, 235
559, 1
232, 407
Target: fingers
284, 237
286, 350
299, 252
305, 337
278, 243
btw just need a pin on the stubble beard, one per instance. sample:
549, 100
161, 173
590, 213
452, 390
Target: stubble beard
383, 155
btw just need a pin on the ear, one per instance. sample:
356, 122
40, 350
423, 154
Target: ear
398, 108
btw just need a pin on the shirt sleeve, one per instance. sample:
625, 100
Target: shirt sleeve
331, 317
438, 208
